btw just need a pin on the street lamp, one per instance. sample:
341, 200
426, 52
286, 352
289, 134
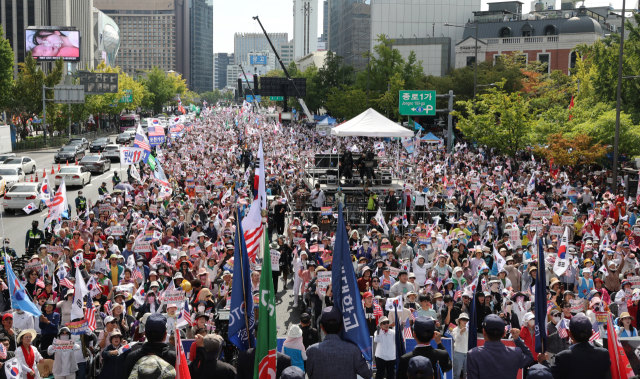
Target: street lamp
616, 140
475, 63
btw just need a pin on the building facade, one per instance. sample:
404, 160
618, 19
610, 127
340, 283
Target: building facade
286, 53
305, 27
418, 26
312, 59
221, 61
14, 26
325, 24
194, 28
147, 33
547, 36
106, 38
350, 30
244, 43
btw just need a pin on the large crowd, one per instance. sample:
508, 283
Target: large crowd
457, 243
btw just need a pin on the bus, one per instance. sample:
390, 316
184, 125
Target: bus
129, 121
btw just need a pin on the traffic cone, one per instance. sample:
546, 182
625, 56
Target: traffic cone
44, 173
58, 167
76, 161
67, 163
31, 178
36, 176
53, 172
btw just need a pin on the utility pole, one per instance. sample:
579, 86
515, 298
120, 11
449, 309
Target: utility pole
616, 141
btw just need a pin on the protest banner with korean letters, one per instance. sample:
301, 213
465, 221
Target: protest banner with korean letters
115, 231
514, 237
275, 260
60, 345
174, 297
324, 279
153, 208
577, 305
54, 249
567, 220
78, 327
142, 247
131, 155
513, 212
556, 230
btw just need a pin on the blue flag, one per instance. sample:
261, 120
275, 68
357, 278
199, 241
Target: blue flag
346, 295
241, 294
400, 348
541, 302
19, 297
417, 126
473, 325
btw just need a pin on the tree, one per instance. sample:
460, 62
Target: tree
388, 103
347, 102
161, 87
6, 71
501, 121
572, 151
385, 63
212, 97
333, 74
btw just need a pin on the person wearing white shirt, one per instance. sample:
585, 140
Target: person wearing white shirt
100, 263
385, 353
460, 336
317, 201
23, 320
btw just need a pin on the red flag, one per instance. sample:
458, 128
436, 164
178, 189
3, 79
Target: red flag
182, 369
620, 366
571, 106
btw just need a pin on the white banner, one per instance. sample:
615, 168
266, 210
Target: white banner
131, 155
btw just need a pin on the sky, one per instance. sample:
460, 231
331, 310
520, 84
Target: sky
277, 17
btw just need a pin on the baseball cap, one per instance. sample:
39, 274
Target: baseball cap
157, 322
580, 323
212, 342
424, 324
331, 315
305, 317
493, 322
420, 367
292, 372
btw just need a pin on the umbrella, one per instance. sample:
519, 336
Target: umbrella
124, 187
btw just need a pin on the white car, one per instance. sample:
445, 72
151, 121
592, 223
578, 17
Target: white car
4, 157
27, 164
11, 175
23, 194
73, 176
111, 152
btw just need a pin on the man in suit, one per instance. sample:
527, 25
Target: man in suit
582, 360
483, 360
424, 330
333, 357
247, 358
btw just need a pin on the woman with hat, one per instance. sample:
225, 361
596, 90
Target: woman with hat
624, 327
113, 360
460, 336
28, 355
294, 348
64, 361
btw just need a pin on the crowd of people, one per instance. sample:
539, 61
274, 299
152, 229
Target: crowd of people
458, 243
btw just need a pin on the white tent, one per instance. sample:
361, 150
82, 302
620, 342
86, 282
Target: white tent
371, 124
326, 122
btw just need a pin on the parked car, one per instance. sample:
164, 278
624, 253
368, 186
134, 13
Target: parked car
98, 145
27, 164
69, 153
23, 194
73, 176
125, 138
11, 176
4, 157
83, 142
112, 152
96, 163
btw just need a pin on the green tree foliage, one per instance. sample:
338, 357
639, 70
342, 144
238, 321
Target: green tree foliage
212, 97
6, 71
161, 87
347, 102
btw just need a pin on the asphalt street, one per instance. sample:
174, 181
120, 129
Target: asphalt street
15, 226
286, 314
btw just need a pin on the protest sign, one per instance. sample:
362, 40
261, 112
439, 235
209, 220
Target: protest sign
54, 249
275, 260
527, 210
140, 200
105, 208
577, 305
635, 281
327, 258
78, 327
60, 345
142, 247
513, 212
394, 271
567, 220
174, 297
115, 231
556, 230
324, 279
153, 208
514, 237
326, 211
33, 266
200, 189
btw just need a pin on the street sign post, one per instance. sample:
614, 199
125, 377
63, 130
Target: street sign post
417, 103
128, 96
276, 98
250, 98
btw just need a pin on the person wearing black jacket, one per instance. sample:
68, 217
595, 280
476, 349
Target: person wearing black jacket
247, 358
155, 332
207, 363
424, 330
390, 205
482, 310
309, 334
113, 361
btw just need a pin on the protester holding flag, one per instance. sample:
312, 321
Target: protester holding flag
49, 323
155, 332
113, 359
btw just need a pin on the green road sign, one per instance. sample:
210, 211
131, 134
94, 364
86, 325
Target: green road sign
417, 103
276, 98
128, 96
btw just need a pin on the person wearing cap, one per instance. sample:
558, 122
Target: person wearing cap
420, 368
207, 363
155, 332
424, 330
294, 348
460, 335
9, 331
494, 356
333, 357
555, 343
385, 353
113, 360
64, 361
582, 360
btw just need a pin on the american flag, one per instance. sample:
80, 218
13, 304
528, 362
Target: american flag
252, 238
107, 307
90, 316
507, 327
137, 274
549, 306
406, 331
40, 281
457, 295
66, 282
377, 309
414, 314
142, 142
155, 130
3, 351
562, 329
596, 332
185, 313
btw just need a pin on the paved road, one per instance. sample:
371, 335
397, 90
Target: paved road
286, 314
15, 226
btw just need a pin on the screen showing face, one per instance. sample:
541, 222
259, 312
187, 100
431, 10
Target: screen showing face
53, 44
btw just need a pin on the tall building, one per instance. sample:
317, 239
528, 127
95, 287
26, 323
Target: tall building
221, 61
106, 38
76, 13
418, 26
286, 54
194, 35
325, 24
147, 33
305, 27
14, 27
244, 43
349, 30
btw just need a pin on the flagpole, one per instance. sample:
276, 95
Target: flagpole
244, 293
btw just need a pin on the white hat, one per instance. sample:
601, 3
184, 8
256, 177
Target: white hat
529, 316
294, 331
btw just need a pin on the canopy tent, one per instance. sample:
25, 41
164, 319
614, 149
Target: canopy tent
430, 138
327, 121
371, 124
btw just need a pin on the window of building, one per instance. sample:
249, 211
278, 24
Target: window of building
550, 30
471, 61
526, 33
505, 32
545, 58
572, 59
